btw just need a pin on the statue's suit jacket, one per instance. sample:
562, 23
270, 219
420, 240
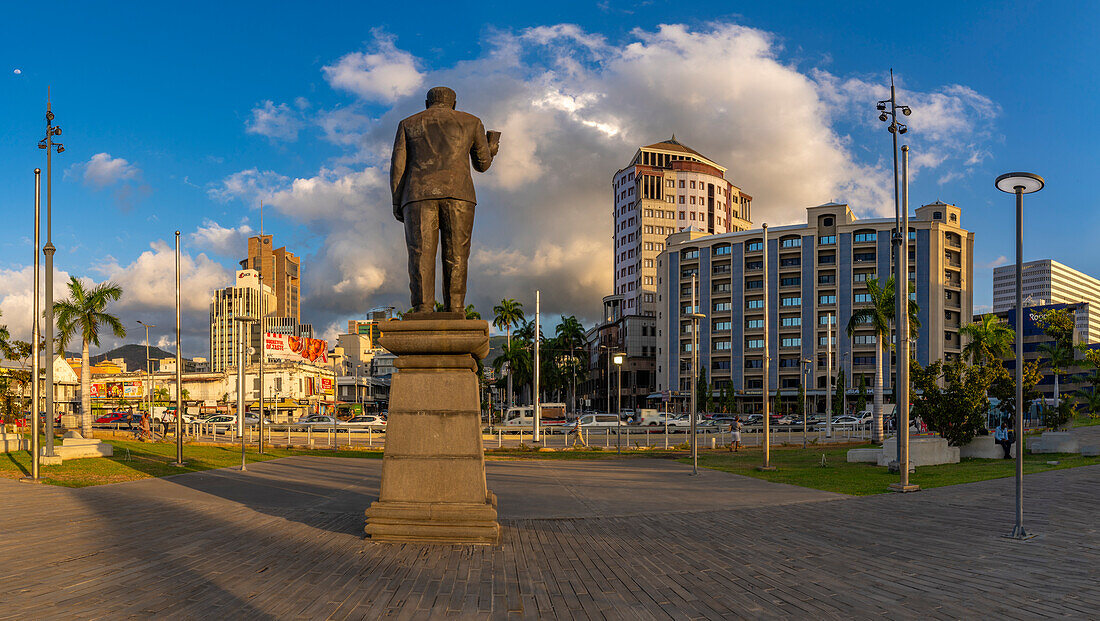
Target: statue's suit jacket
432, 154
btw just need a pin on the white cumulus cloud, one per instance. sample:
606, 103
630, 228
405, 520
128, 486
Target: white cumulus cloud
278, 122
573, 109
382, 74
102, 171
226, 241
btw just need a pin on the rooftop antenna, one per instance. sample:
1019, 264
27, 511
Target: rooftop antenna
261, 217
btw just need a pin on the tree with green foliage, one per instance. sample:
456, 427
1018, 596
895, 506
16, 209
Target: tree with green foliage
82, 314
878, 317
861, 396
957, 411
703, 392
800, 407
1003, 387
1059, 324
838, 395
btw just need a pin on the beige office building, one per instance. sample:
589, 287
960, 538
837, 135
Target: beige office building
667, 187
1049, 282
247, 298
816, 270
281, 271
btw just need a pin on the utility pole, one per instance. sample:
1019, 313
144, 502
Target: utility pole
36, 407
179, 365
536, 410
48, 250
829, 373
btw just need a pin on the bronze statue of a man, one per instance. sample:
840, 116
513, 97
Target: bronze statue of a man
433, 193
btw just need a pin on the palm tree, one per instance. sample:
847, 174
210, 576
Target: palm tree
570, 337
83, 313
878, 315
5, 346
1059, 359
506, 315
471, 312
989, 339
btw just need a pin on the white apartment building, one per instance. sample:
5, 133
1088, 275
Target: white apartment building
667, 187
246, 298
1047, 281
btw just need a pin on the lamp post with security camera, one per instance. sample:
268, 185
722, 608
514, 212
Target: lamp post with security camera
49, 145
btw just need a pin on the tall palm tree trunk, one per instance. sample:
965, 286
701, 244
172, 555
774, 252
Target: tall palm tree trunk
85, 393
876, 425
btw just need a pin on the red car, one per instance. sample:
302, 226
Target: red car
114, 417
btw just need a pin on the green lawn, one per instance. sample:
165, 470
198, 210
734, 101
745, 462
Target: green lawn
803, 467
140, 460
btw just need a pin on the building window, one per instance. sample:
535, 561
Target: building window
688, 272
791, 242
759, 343
824, 319
827, 259
790, 322
861, 277
754, 265
722, 325
938, 215
690, 254
791, 342
865, 237
862, 298
790, 281
720, 365
826, 299
827, 222
721, 269
790, 262
826, 240
722, 345
721, 287
754, 363
826, 279
790, 301
864, 339
754, 246
756, 283
823, 342
754, 304
722, 250
863, 257
754, 324
693, 185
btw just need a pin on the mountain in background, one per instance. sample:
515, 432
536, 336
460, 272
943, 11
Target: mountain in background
133, 354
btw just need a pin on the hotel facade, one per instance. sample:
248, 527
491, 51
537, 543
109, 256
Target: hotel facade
816, 270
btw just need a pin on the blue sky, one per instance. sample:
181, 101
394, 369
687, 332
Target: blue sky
185, 118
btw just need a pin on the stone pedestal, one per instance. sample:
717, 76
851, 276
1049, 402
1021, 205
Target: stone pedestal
433, 470
923, 451
1055, 442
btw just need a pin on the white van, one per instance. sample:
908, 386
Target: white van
519, 416
591, 421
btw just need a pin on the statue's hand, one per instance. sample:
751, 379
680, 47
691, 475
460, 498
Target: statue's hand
493, 137
399, 213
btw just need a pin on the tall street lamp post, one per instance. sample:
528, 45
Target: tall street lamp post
807, 366
243, 323
35, 407
148, 371
1019, 183
618, 359
179, 365
49, 145
695, 315
767, 465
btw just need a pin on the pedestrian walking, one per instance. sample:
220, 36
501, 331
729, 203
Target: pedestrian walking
578, 434
735, 434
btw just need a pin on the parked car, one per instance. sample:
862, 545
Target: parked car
113, 418
840, 421
592, 421
221, 422
314, 420
363, 422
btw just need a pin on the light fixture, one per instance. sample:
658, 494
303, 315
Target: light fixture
1028, 182
902, 129
882, 117
618, 359
880, 105
890, 128
906, 111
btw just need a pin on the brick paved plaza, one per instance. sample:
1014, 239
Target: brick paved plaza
631, 539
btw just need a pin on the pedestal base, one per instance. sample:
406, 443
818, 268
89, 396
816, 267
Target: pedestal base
904, 489
433, 469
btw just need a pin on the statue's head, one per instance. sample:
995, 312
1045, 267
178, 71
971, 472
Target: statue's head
440, 96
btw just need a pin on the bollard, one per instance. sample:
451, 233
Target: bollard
370, 437
606, 437
628, 437
288, 436
500, 438
309, 435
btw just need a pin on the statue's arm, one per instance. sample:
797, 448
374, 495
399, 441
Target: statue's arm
397, 172
481, 153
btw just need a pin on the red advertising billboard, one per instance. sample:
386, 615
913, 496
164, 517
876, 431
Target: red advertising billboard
294, 348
